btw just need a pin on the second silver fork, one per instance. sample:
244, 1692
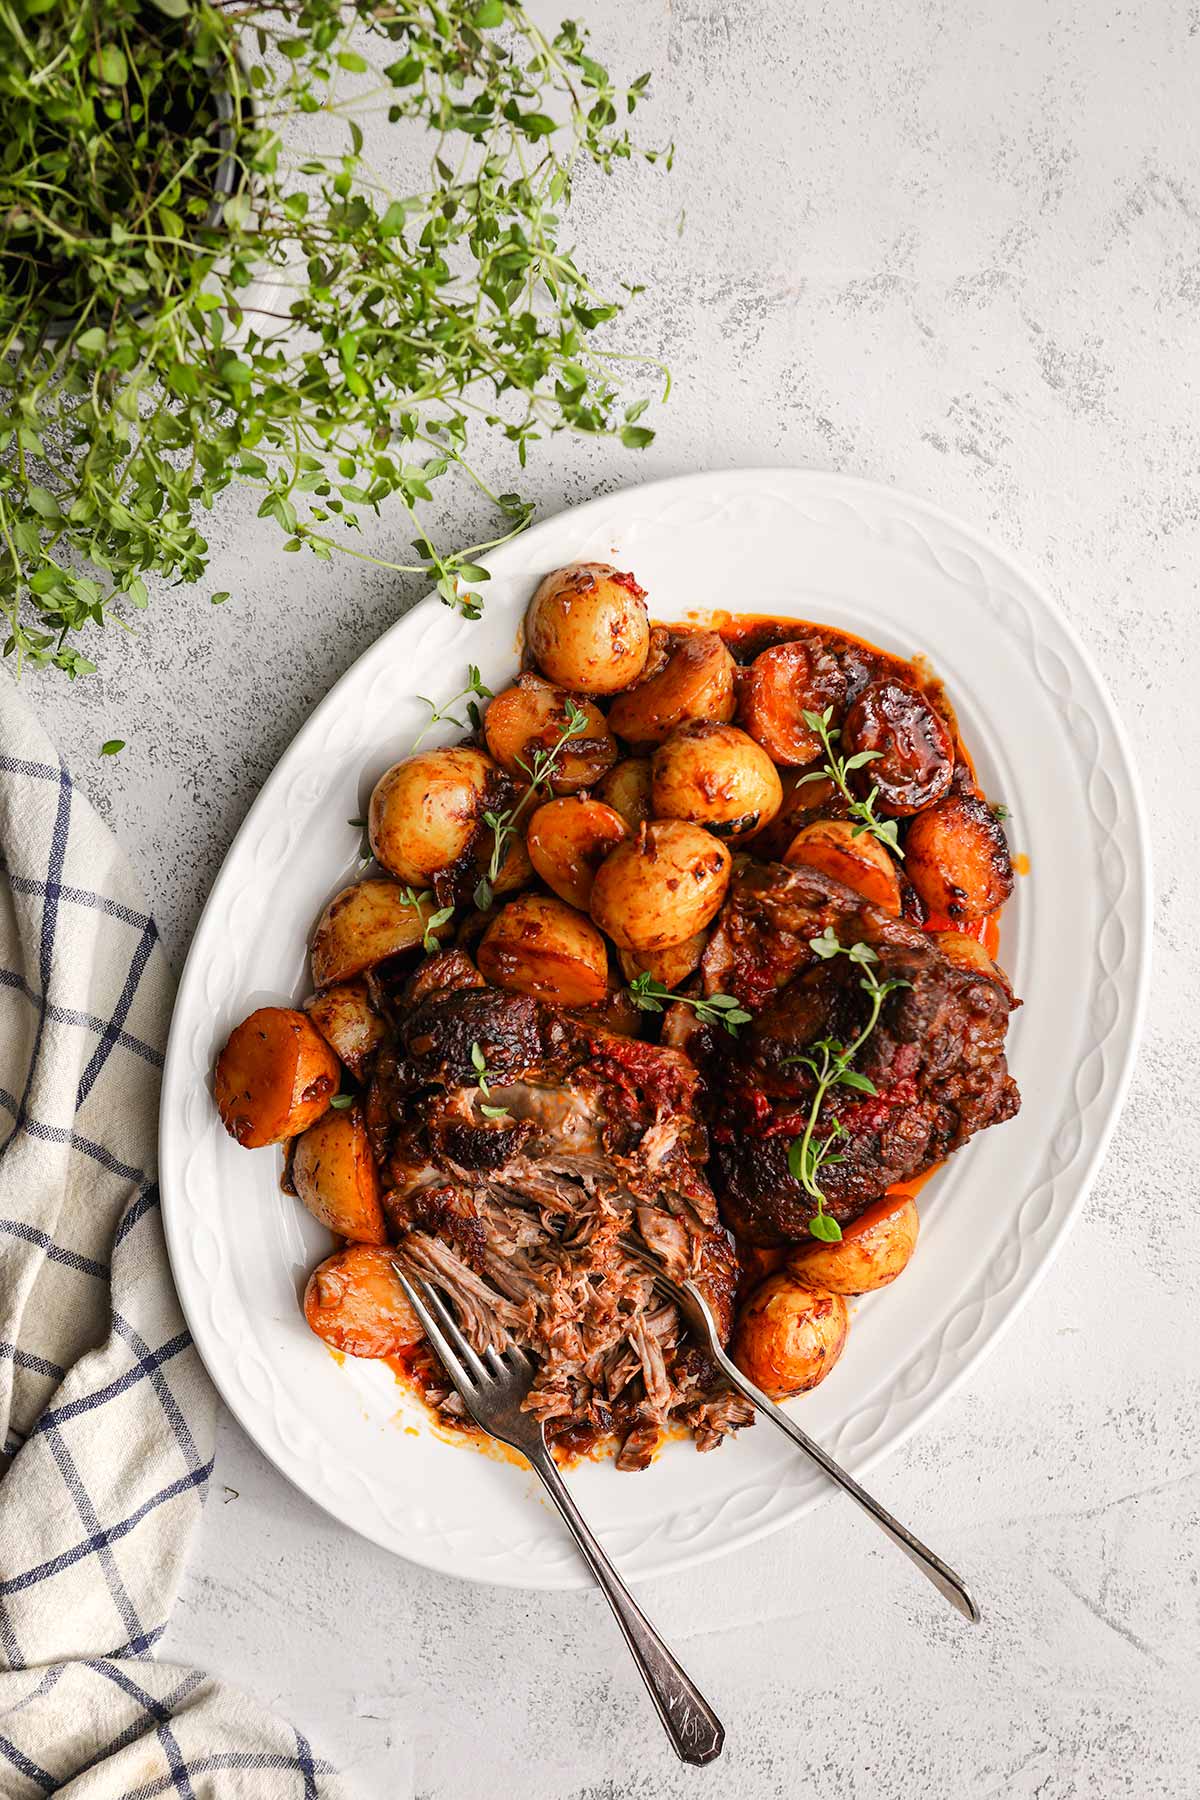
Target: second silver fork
492, 1388
694, 1310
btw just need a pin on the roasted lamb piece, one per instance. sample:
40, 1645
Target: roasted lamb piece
936, 1056
518, 1146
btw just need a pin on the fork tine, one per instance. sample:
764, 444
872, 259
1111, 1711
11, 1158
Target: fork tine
433, 1331
514, 1355
456, 1335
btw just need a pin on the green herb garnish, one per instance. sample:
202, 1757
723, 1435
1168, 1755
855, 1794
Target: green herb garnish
503, 825
837, 768
429, 942
829, 1063
439, 714
198, 289
718, 1009
483, 1082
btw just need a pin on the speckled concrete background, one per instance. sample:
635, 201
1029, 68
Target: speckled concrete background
956, 247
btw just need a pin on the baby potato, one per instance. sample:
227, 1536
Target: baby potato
956, 856
274, 1077
355, 1302
587, 629
626, 788
337, 1178
364, 925
780, 686
348, 1022
860, 862
788, 1337
539, 946
670, 966
695, 682
913, 761
532, 716
427, 812
568, 840
516, 871
872, 1252
660, 887
716, 776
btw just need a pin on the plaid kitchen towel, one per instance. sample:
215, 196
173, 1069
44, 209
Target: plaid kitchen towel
106, 1415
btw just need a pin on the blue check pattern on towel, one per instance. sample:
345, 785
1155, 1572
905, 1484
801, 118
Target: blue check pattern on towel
106, 1416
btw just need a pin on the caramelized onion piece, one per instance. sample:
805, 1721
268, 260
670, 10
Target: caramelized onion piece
914, 760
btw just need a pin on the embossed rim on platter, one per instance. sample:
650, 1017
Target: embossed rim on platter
1076, 940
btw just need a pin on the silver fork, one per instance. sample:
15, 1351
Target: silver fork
492, 1389
696, 1314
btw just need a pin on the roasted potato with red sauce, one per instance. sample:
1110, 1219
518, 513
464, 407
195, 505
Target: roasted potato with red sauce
426, 817
540, 946
874, 1249
670, 966
787, 1337
587, 629
956, 856
348, 1022
626, 788
354, 1301
661, 886
274, 1078
913, 761
715, 775
336, 1176
531, 716
695, 682
364, 925
567, 841
860, 862
779, 687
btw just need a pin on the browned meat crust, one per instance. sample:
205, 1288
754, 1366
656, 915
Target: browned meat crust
521, 1217
936, 1056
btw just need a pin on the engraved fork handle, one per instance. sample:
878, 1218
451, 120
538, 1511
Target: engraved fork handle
694, 1729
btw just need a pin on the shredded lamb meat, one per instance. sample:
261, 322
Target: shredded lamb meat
519, 1218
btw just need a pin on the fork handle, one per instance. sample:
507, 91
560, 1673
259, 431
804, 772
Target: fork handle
696, 1733
943, 1577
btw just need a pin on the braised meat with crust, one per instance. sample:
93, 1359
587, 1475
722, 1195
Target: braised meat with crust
936, 1056
515, 1199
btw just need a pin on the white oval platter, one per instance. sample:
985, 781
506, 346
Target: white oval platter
1075, 942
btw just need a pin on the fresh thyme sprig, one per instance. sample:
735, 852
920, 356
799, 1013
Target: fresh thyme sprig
438, 714
479, 1064
198, 288
429, 943
718, 1009
829, 1063
503, 825
837, 768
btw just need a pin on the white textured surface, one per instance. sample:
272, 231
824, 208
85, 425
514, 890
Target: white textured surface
957, 248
